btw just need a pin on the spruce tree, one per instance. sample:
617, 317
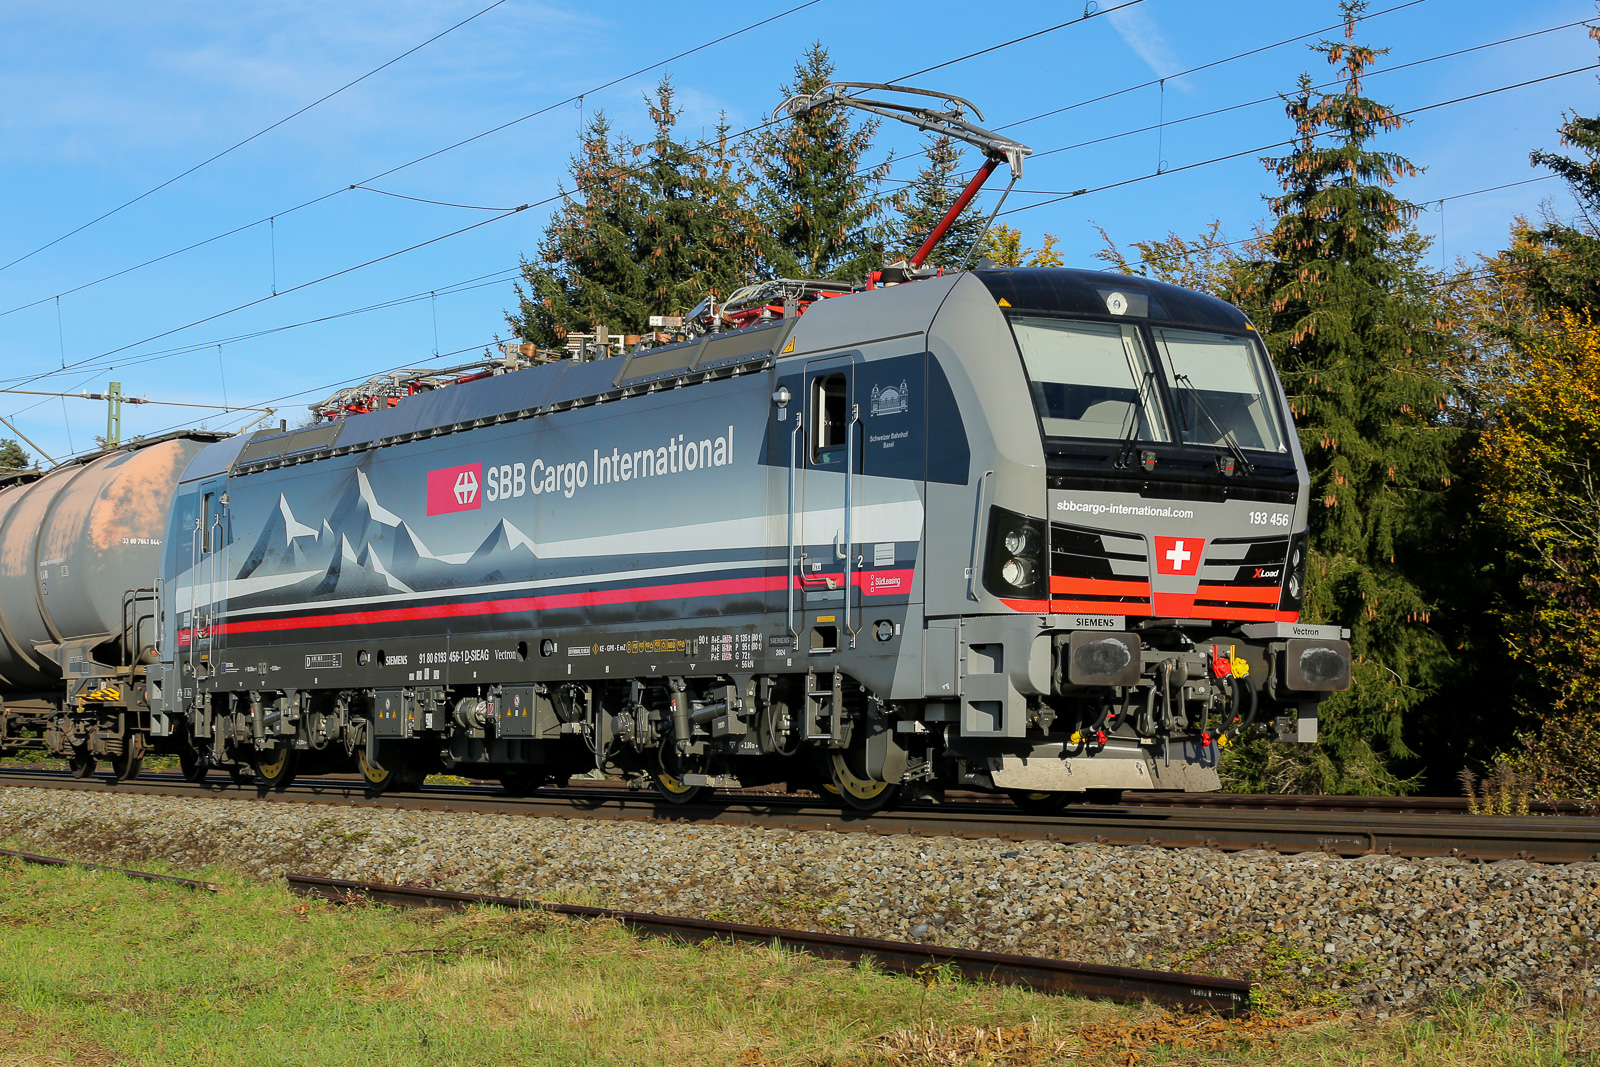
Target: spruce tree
648, 229
1349, 328
816, 198
925, 202
12, 456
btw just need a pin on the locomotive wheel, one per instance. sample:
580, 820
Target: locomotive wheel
81, 766
276, 769
522, 781
862, 794
669, 772
377, 778
1035, 803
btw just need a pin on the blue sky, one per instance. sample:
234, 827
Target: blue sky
100, 102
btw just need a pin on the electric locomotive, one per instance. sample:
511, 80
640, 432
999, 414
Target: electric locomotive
1039, 531
1031, 530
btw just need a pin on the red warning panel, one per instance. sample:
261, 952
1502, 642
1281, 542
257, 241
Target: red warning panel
455, 489
1179, 555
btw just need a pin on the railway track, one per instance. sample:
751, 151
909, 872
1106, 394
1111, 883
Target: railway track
1339, 832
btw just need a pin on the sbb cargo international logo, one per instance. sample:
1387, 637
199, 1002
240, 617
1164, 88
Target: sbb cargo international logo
455, 489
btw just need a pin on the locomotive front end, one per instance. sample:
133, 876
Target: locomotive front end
1162, 546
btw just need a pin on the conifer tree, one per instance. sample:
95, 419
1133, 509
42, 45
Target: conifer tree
1349, 328
12, 456
815, 196
647, 229
924, 203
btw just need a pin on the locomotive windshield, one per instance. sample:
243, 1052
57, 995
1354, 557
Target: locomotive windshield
1222, 388
1099, 380
1090, 379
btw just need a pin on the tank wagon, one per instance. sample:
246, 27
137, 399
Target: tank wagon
1039, 531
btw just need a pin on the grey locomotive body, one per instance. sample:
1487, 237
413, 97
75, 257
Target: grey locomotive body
1027, 530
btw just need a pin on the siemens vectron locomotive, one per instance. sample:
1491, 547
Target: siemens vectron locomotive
1029, 530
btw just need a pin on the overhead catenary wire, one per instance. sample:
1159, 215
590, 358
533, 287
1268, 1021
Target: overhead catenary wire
1057, 196
537, 203
268, 219
259, 133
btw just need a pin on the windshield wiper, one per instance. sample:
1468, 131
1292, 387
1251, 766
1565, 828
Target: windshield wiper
1131, 436
1226, 436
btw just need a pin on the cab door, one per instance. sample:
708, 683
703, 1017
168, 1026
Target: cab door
208, 576
825, 592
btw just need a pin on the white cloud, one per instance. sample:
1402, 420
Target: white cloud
1146, 39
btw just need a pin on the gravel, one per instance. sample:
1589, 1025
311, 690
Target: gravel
1378, 932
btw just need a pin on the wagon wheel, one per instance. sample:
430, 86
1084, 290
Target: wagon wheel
125, 765
189, 762
858, 791
276, 768
671, 766
81, 764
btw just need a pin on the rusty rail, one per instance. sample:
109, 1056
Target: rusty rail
1226, 996
56, 861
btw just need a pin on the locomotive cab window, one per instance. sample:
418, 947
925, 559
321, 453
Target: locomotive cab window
1223, 389
830, 419
1090, 379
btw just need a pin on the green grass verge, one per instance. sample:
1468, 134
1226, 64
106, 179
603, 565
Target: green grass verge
97, 969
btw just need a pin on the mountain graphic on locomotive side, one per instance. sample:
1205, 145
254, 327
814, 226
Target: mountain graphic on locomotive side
1030, 530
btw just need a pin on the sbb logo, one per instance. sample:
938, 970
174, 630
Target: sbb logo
455, 489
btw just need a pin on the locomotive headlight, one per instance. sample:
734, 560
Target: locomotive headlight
1020, 541
1017, 572
1015, 564
1294, 582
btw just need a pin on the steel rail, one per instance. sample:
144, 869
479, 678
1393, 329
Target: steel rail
1226, 996
56, 861
1541, 839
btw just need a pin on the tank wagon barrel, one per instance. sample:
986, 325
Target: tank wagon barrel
80, 549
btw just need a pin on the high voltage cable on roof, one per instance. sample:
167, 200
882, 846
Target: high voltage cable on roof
253, 136
361, 184
537, 203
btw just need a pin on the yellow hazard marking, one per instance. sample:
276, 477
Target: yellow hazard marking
787, 348
1004, 302
109, 692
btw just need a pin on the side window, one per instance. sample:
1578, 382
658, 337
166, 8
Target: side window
830, 419
207, 517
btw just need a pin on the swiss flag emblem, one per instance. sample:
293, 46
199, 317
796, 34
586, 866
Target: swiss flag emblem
455, 489
1179, 555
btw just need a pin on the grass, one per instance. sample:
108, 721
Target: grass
99, 969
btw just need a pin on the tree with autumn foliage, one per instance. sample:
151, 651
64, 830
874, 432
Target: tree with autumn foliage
1351, 332
1002, 246
815, 194
648, 228
1541, 463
